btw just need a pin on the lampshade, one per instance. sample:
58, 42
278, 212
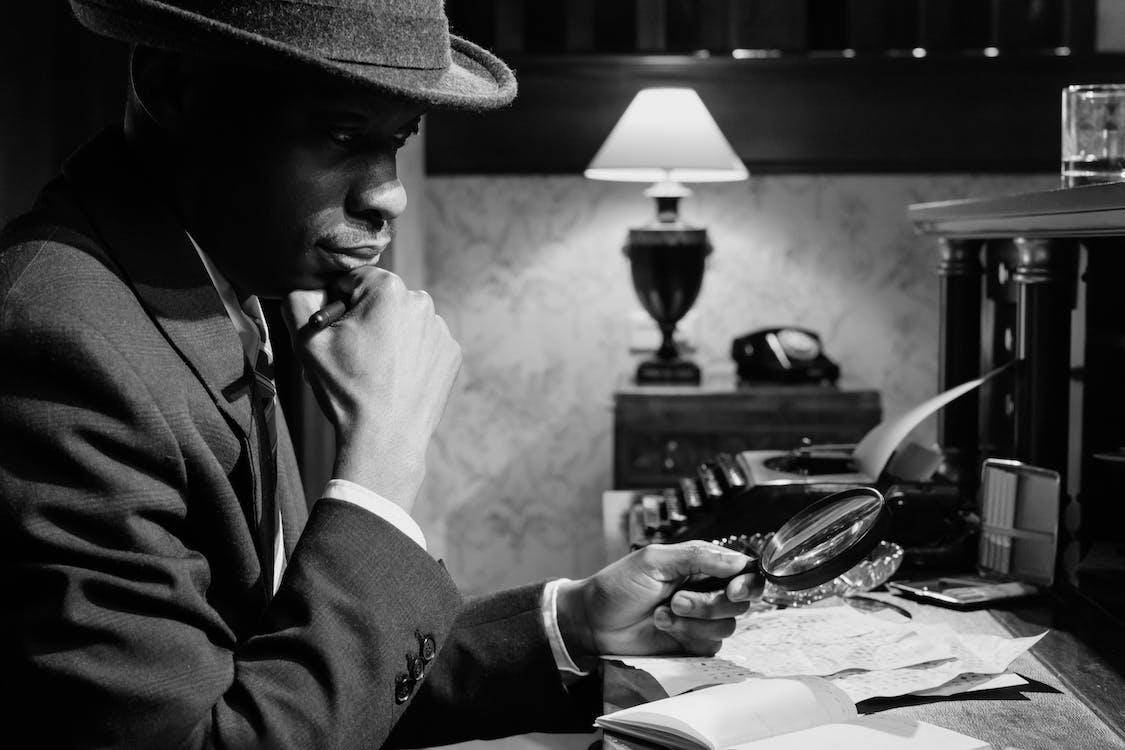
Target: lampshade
666, 135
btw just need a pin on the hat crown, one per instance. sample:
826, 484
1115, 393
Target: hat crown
394, 33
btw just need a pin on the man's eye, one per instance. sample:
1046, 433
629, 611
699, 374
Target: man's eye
342, 137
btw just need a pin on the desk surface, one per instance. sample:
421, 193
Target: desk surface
1074, 699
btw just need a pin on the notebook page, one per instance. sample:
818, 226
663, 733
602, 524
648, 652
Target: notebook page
724, 715
878, 732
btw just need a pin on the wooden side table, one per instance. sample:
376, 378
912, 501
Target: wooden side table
661, 433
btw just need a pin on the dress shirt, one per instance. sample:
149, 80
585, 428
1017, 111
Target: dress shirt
243, 318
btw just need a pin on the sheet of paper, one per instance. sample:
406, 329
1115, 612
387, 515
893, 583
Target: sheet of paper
885, 649
968, 683
874, 450
972, 658
679, 674
888, 683
808, 625
983, 654
877, 732
866, 656
828, 636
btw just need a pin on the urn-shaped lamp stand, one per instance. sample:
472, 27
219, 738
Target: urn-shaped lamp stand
667, 259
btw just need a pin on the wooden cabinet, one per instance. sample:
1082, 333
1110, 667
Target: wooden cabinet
664, 432
1020, 276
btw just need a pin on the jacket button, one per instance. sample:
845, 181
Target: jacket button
427, 647
404, 686
415, 666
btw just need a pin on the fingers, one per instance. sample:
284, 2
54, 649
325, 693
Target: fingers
710, 605
745, 587
695, 636
699, 621
673, 562
298, 305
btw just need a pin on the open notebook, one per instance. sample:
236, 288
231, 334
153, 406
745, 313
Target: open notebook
785, 713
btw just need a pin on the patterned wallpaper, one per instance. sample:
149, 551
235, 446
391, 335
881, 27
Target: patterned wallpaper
529, 273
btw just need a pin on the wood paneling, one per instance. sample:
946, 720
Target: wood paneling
786, 115
796, 85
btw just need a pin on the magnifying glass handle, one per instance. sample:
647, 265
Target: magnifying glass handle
709, 583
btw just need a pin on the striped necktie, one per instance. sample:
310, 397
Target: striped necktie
265, 414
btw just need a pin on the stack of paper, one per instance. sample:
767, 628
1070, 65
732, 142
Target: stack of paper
864, 655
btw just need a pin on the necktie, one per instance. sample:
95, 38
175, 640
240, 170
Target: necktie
265, 413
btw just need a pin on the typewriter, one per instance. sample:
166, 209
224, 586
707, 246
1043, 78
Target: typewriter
735, 496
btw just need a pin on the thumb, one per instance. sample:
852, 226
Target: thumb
676, 561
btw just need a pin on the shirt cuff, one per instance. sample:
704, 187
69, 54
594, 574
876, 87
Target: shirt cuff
549, 610
350, 492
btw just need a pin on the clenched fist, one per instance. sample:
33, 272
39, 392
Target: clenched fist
382, 375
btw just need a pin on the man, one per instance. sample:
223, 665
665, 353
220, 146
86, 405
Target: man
164, 583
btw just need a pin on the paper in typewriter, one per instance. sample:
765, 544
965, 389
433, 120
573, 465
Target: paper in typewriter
873, 452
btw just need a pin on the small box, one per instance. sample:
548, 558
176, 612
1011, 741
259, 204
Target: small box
1019, 521
1018, 539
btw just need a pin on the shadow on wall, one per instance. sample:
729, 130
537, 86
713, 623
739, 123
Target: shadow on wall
529, 273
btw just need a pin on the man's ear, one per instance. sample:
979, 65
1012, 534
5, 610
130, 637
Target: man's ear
157, 95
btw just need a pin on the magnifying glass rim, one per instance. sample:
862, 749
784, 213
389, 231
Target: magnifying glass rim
842, 562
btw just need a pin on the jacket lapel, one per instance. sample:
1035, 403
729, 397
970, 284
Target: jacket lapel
290, 490
164, 268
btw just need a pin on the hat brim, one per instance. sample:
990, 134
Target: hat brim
476, 79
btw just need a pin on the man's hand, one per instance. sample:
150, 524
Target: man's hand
632, 606
382, 375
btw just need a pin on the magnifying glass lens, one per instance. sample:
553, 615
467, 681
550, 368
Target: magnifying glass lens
829, 534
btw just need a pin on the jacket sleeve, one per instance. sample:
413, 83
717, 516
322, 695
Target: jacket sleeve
496, 676
107, 636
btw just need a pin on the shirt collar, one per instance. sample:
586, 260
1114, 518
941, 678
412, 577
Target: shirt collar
248, 318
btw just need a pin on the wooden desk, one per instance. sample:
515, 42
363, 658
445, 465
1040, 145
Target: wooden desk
1075, 698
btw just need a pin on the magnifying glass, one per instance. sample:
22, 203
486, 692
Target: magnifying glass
821, 542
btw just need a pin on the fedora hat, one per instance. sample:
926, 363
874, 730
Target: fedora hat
400, 48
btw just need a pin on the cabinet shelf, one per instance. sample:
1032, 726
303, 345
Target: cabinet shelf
1087, 211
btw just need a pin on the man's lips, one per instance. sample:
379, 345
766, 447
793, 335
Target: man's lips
362, 251
359, 252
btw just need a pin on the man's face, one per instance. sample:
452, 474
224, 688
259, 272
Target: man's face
289, 182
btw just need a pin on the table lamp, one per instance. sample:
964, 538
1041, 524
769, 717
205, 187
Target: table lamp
667, 137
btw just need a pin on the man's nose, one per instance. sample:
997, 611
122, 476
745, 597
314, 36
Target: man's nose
376, 195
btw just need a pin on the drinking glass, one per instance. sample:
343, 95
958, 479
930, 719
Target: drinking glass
1093, 134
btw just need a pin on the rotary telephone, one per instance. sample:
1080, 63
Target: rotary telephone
783, 355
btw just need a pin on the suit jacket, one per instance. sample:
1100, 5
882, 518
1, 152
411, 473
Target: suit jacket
135, 613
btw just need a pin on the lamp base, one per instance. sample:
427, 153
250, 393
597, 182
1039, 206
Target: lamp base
668, 371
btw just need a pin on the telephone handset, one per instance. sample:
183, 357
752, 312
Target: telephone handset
783, 355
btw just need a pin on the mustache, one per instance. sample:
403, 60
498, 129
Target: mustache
353, 237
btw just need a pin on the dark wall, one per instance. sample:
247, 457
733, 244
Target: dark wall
59, 84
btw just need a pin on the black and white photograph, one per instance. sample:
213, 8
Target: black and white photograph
572, 375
